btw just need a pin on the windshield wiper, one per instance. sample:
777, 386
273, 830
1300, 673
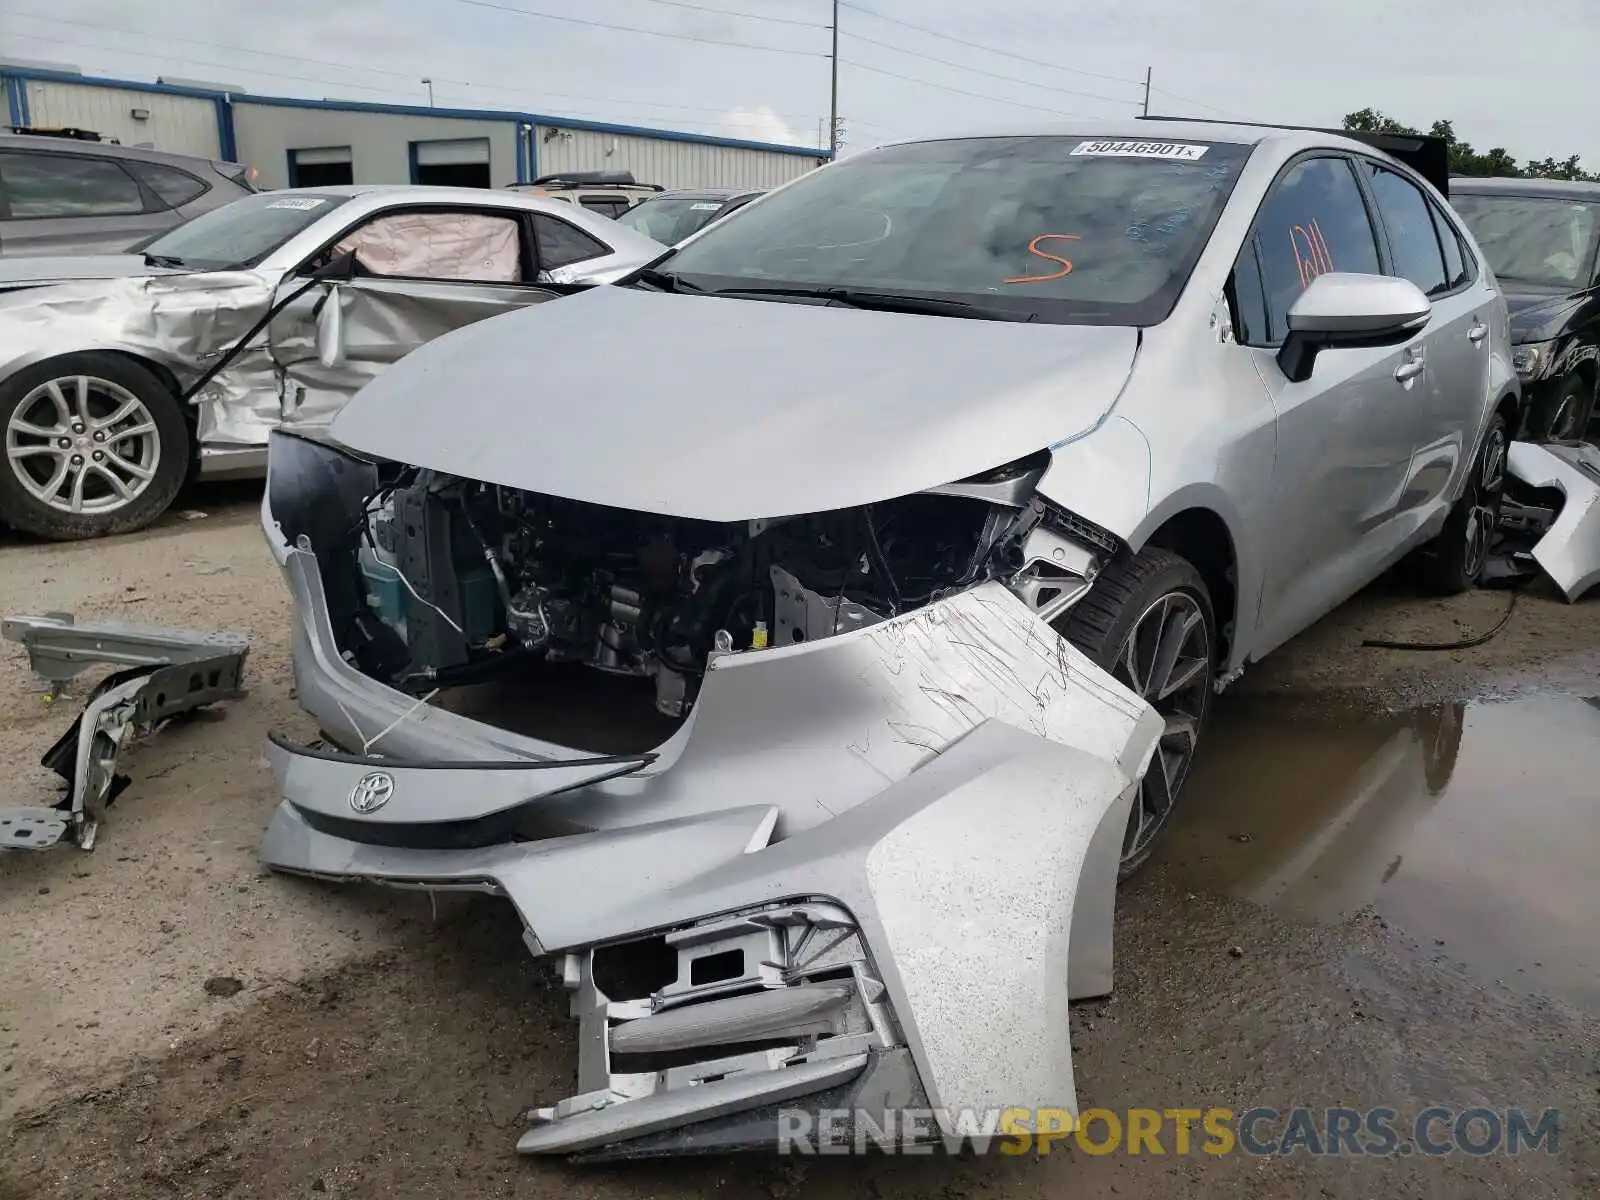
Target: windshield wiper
163, 260
666, 281
938, 306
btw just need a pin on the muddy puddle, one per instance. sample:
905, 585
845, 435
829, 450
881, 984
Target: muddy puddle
1473, 828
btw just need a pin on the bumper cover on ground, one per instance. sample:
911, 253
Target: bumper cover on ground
1569, 551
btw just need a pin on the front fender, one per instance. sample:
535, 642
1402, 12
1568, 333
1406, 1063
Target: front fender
1103, 476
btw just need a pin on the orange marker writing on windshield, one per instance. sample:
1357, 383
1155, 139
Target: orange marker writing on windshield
1033, 248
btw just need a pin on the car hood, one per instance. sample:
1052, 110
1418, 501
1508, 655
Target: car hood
724, 409
1537, 315
45, 269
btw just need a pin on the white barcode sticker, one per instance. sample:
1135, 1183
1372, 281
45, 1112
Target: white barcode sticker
298, 203
1178, 150
704, 207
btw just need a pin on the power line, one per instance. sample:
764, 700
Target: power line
723, 12
971, 45
945, 62
410, 76
407, 75
1198, 103
1037, 62
944, 87
676, 37
200, 62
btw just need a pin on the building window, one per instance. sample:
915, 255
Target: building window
322, 166
456, 163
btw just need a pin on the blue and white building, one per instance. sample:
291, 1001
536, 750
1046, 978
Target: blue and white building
291, 141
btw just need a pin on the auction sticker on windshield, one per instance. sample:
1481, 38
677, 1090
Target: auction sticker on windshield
298, 203
1176, 150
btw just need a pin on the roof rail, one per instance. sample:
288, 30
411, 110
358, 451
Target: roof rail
592, 179
80, 135
1425, 154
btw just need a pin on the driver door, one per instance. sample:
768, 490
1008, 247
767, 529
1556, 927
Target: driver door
1347, 434
415, 275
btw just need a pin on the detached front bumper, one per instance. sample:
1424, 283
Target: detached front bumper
1569, 551
869, 871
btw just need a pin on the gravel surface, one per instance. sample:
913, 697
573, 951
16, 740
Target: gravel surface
176, 1022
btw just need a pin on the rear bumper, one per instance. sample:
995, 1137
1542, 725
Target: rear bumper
937, 802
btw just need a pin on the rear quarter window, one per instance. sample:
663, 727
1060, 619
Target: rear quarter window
174, 188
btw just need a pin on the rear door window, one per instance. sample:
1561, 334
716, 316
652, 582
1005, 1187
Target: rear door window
1314, 221
605, 206
67, 185
1413, 240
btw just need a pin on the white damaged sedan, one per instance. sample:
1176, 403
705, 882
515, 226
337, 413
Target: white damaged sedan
122, 375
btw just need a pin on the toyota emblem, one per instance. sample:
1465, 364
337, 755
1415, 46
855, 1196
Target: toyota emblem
372, 792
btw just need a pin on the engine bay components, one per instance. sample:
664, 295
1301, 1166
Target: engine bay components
462, 582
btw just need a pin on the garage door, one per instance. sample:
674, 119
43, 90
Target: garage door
461, 162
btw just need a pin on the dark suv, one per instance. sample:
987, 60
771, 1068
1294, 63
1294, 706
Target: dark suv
1541, 238
67, 193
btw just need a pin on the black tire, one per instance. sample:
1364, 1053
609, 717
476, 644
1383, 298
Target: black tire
1453, 562
1126, 593
114, 381
1569, 412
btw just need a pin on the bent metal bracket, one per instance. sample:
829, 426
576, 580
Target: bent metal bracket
164, 672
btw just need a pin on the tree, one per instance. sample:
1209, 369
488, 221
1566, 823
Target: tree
1464, 160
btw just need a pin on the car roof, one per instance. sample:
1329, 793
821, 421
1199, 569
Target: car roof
708, 193
1132, 129
426, 192
1556, 189
69, 145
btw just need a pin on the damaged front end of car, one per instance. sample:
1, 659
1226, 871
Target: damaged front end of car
812, 813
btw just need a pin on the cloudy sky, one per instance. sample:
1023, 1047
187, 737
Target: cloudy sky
1507, 76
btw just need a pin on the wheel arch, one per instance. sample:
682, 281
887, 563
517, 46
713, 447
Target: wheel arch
1195, 527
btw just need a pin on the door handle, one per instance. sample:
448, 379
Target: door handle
1477, 333
1408, 370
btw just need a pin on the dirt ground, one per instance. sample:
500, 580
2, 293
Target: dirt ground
378, 1045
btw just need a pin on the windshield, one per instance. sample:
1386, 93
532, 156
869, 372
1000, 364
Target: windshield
1541, 240
240, 234
669, 221
1056, 228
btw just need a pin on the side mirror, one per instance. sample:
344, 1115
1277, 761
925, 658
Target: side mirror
341, 268
1342, 310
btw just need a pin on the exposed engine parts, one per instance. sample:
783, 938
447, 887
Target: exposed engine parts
469, 580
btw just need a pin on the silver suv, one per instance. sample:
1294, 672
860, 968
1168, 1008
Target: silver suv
64, 193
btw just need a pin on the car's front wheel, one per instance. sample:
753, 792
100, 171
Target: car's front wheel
1148, 621
93, 444
1571, 412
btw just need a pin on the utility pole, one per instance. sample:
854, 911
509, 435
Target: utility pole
1147, 71
429, 82
833, 104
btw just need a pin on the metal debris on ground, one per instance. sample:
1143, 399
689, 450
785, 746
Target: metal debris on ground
165, 672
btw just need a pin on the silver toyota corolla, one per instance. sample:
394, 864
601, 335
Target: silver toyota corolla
808, 702
119, 374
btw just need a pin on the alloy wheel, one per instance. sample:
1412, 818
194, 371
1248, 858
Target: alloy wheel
82, 444
1484, 515
1166, 659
